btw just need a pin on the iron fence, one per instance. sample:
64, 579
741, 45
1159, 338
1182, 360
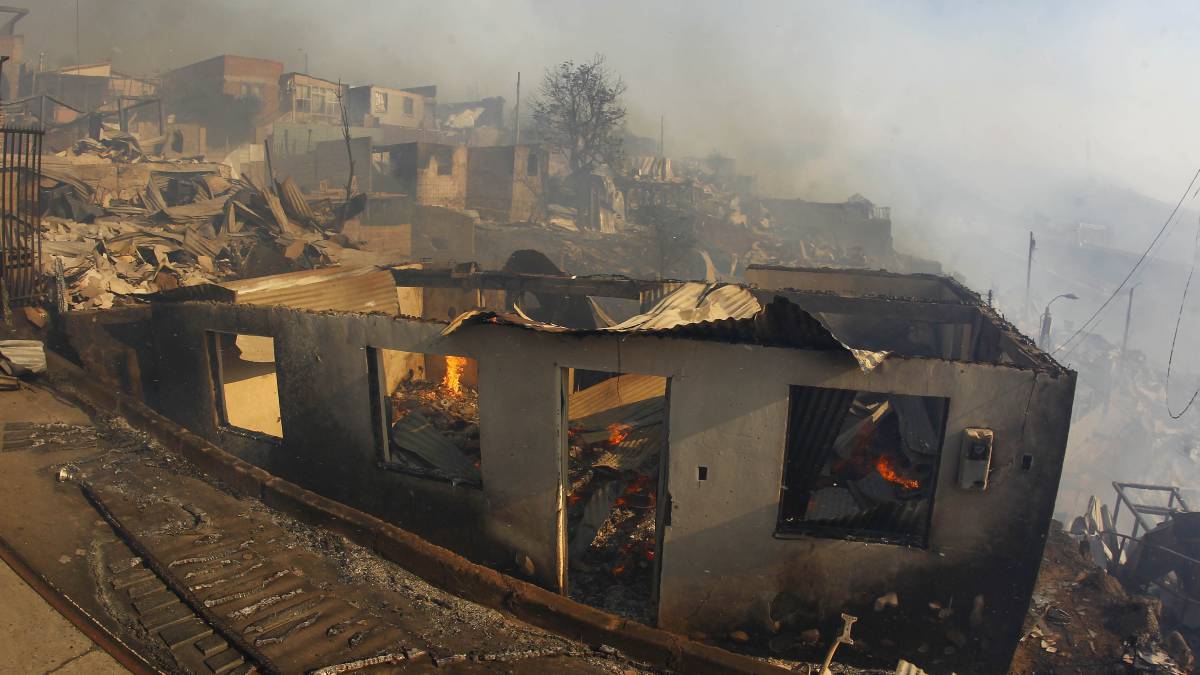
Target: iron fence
20, 215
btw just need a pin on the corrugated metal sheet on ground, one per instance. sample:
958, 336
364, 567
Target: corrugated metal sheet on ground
417, 435
353, 289
26, 356
635, 451
643, 424
595, 427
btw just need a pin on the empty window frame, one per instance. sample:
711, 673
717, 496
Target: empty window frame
860, 465
379, 101
245, 383
426, 413
408, 106
531, 164
444, 157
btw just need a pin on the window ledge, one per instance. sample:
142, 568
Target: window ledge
250, 433
456, 481
808, 534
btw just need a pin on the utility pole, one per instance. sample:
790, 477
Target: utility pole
662, 148
1029, 271
517, 113
1125, 337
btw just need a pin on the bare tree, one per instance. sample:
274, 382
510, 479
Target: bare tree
579, 111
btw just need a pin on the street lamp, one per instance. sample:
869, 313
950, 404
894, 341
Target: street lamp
1044, 340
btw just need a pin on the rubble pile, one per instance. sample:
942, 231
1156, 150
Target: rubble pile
615, 569
1083, 620
188, 224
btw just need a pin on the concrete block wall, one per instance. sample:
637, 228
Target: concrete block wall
722, 565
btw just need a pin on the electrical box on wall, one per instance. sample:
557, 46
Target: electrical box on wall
975, 459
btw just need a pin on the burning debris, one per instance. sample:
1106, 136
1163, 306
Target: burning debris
435, 425
615, 439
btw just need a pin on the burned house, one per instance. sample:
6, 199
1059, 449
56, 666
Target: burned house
769, 456
89, 87
374, 106
854, 224
229, 95
431, 174
507, 183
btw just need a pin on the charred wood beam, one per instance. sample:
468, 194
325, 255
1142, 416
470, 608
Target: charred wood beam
889, 308
611, 287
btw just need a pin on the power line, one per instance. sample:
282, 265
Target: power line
1178, 320
1087, 324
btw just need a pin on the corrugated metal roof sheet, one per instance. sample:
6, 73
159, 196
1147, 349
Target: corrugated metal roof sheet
346, 289
702, 311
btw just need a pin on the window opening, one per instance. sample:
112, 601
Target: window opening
861, 465
246, 382
426, 408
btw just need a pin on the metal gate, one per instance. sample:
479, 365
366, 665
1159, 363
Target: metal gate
20, 216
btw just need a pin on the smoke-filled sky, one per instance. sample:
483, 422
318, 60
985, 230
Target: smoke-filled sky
976, 121
832, 96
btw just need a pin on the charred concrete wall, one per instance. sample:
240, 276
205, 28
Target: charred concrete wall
434, 174
412, 232
724, 566
865, 282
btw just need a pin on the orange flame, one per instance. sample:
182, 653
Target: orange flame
884, 466
618, 432
452, 382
